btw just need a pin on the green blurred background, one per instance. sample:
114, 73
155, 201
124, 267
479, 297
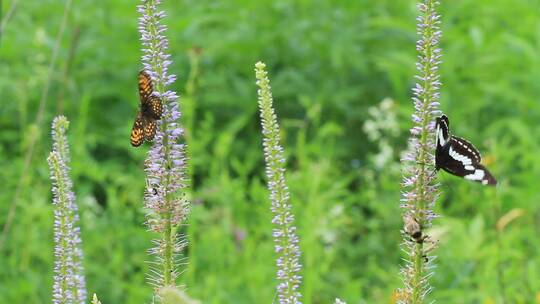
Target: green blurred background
342, 73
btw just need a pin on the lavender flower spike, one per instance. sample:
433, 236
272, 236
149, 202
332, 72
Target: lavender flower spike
286, 240
419, 188
166, 163
69, 283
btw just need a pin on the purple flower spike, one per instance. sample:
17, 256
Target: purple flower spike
419, 188
69, 284
165, 165
285, 238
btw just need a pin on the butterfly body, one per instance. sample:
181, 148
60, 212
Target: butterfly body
458, 156
150, 110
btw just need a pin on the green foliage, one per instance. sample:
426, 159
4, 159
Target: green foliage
329, 61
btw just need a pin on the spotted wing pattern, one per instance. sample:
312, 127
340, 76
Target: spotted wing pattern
458, 156
137, 132
146, 87
151, 110
154, 107
150, 127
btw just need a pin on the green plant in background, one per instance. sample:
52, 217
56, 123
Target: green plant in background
285, 236
165, 164
420, 190
35, 134
69, 282
345, 205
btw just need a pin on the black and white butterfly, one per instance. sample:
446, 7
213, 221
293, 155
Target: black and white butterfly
459, 157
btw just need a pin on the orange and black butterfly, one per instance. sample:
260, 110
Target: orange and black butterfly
150, 110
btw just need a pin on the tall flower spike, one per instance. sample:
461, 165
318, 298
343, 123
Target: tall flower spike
166, 163
419, 188
285, 238
69, 283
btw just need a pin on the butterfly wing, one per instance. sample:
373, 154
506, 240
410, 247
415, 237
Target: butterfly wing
442, 130
442, 140
477, 173
465, 147
145, 86
137, 132
463, 159
154, 107
145, 125
458, 156
481, 175
149, 128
